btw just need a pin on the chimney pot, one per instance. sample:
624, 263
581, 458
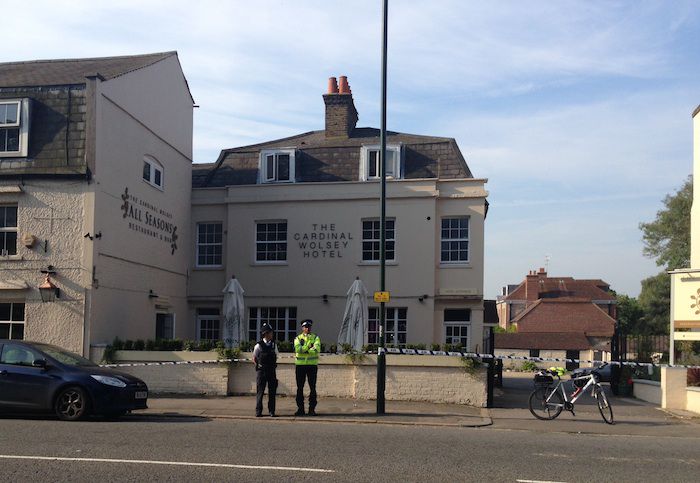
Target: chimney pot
332, 85
341, 114
344, 87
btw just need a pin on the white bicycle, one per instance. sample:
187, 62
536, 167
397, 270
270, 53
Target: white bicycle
548, 399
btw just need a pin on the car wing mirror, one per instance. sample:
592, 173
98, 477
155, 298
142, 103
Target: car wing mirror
40, 363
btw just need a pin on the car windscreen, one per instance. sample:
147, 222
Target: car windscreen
64, 357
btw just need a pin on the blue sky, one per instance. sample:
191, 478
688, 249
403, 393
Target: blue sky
578, 112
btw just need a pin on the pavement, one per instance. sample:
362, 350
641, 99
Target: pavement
632, 417
329, 410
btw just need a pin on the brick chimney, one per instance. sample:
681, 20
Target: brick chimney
341, 115
532, 287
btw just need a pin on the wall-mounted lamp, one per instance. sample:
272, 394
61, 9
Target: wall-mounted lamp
48, 291
324, 297
422, 297
152, 294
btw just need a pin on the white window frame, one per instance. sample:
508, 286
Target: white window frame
23, 122
393, 335
199, 245
154, 167
394, 167
377, 241
12, 322
457, 240
267, 177
263, 243
10, 229
458, 324
285, 328
209, 318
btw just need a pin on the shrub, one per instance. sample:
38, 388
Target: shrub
139, 345
415, 346
470, 365
434, 347
452, 347
370, 348
150, 345
227, 353
247, 345
529, 366
285, 346
117, 344
108, 354
128, 345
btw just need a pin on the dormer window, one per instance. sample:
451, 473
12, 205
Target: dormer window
14, 127
152, 172
277, 166
370, 167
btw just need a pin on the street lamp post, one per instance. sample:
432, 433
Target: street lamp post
381, 356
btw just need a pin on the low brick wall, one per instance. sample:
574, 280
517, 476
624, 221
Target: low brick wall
693, 399
209, 379
649, 391
440, 379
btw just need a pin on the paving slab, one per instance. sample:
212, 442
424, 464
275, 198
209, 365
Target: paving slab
328, 409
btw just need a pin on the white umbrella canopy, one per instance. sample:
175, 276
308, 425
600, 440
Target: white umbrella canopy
353, 331
234, 313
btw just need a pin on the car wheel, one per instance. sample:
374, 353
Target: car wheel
71, 404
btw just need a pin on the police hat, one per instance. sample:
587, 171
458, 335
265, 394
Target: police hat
307, 323
265, 328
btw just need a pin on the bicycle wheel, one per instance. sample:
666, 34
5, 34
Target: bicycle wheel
604, 405
541, 408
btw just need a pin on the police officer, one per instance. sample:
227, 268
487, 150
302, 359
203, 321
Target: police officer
265, 359
306, 349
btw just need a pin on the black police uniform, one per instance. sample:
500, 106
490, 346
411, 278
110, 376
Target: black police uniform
266, 374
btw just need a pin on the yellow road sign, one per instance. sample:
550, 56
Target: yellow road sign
380, 297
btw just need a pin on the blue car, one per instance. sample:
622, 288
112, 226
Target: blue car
43, 377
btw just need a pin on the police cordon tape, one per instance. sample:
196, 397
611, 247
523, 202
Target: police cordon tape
398, 351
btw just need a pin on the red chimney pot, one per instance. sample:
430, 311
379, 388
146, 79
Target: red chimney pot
344, 87
332, 85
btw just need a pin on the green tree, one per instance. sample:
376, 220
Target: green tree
655, 301
630, 315
667, 239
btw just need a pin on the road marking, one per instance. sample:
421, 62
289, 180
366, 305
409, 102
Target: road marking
155, 462
539, 481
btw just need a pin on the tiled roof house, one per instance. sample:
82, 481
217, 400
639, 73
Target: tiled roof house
557, 313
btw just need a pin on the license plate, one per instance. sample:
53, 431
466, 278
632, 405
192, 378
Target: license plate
141, 394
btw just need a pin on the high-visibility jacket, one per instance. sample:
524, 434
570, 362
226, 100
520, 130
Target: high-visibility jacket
306, 349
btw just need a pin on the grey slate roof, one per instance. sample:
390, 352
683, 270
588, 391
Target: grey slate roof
321, 159
72, 71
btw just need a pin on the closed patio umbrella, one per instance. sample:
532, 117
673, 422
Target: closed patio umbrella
234, 313
353, 331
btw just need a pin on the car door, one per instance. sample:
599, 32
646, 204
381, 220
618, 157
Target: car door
21, 383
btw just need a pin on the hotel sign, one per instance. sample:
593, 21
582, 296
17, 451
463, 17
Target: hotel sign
149, 220
323, 241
